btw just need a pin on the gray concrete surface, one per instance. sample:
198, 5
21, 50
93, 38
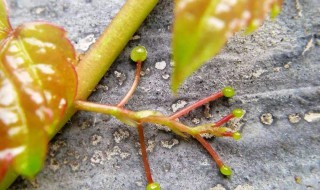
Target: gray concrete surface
276, 70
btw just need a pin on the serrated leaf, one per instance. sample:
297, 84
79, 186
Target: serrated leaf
5, 27
202, 27
37, 83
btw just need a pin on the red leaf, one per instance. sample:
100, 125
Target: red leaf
37, 83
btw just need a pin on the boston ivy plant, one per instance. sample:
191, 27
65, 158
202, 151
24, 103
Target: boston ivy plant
42, 85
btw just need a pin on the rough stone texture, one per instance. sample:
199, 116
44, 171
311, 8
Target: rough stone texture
276, 70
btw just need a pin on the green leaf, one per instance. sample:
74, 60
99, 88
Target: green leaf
37, 83
5, 27
202, 27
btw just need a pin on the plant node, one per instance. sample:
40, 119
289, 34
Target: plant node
137, 119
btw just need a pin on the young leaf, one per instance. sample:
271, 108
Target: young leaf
37, 83
202, 27
5, 27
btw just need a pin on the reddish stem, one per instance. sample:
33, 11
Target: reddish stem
223, 120
211, 151
139, 126
144, 154
133, 87
196, 105
227, 134
203, 142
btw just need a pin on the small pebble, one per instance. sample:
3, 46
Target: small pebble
161, 65
135, 37
266, 118
120, 76
145, 72
195, 121
244, 187
294, 118
165, 76
312, 117
84, 43
287, 66
218, 187
276, 69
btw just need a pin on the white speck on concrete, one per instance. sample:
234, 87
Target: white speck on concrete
135, 37
116, 151
294, 118
120, 76
180, 104
266, 118
169, 144
120, 135
150, 146
165, 76
95, 139
74, 166
206, 135
312, 117
258, 73
308, 46
218, 187
195, 121
244, 187
139, 183
54, 165
97, 157
84, 43
277, 69
161, 65
287, 66
145, 72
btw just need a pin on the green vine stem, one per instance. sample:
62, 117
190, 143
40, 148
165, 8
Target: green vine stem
133, 118
97, 61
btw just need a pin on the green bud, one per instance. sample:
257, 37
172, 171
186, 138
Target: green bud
238, 113
236, 136
139, 53
228, 91
225, 170
153, 186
